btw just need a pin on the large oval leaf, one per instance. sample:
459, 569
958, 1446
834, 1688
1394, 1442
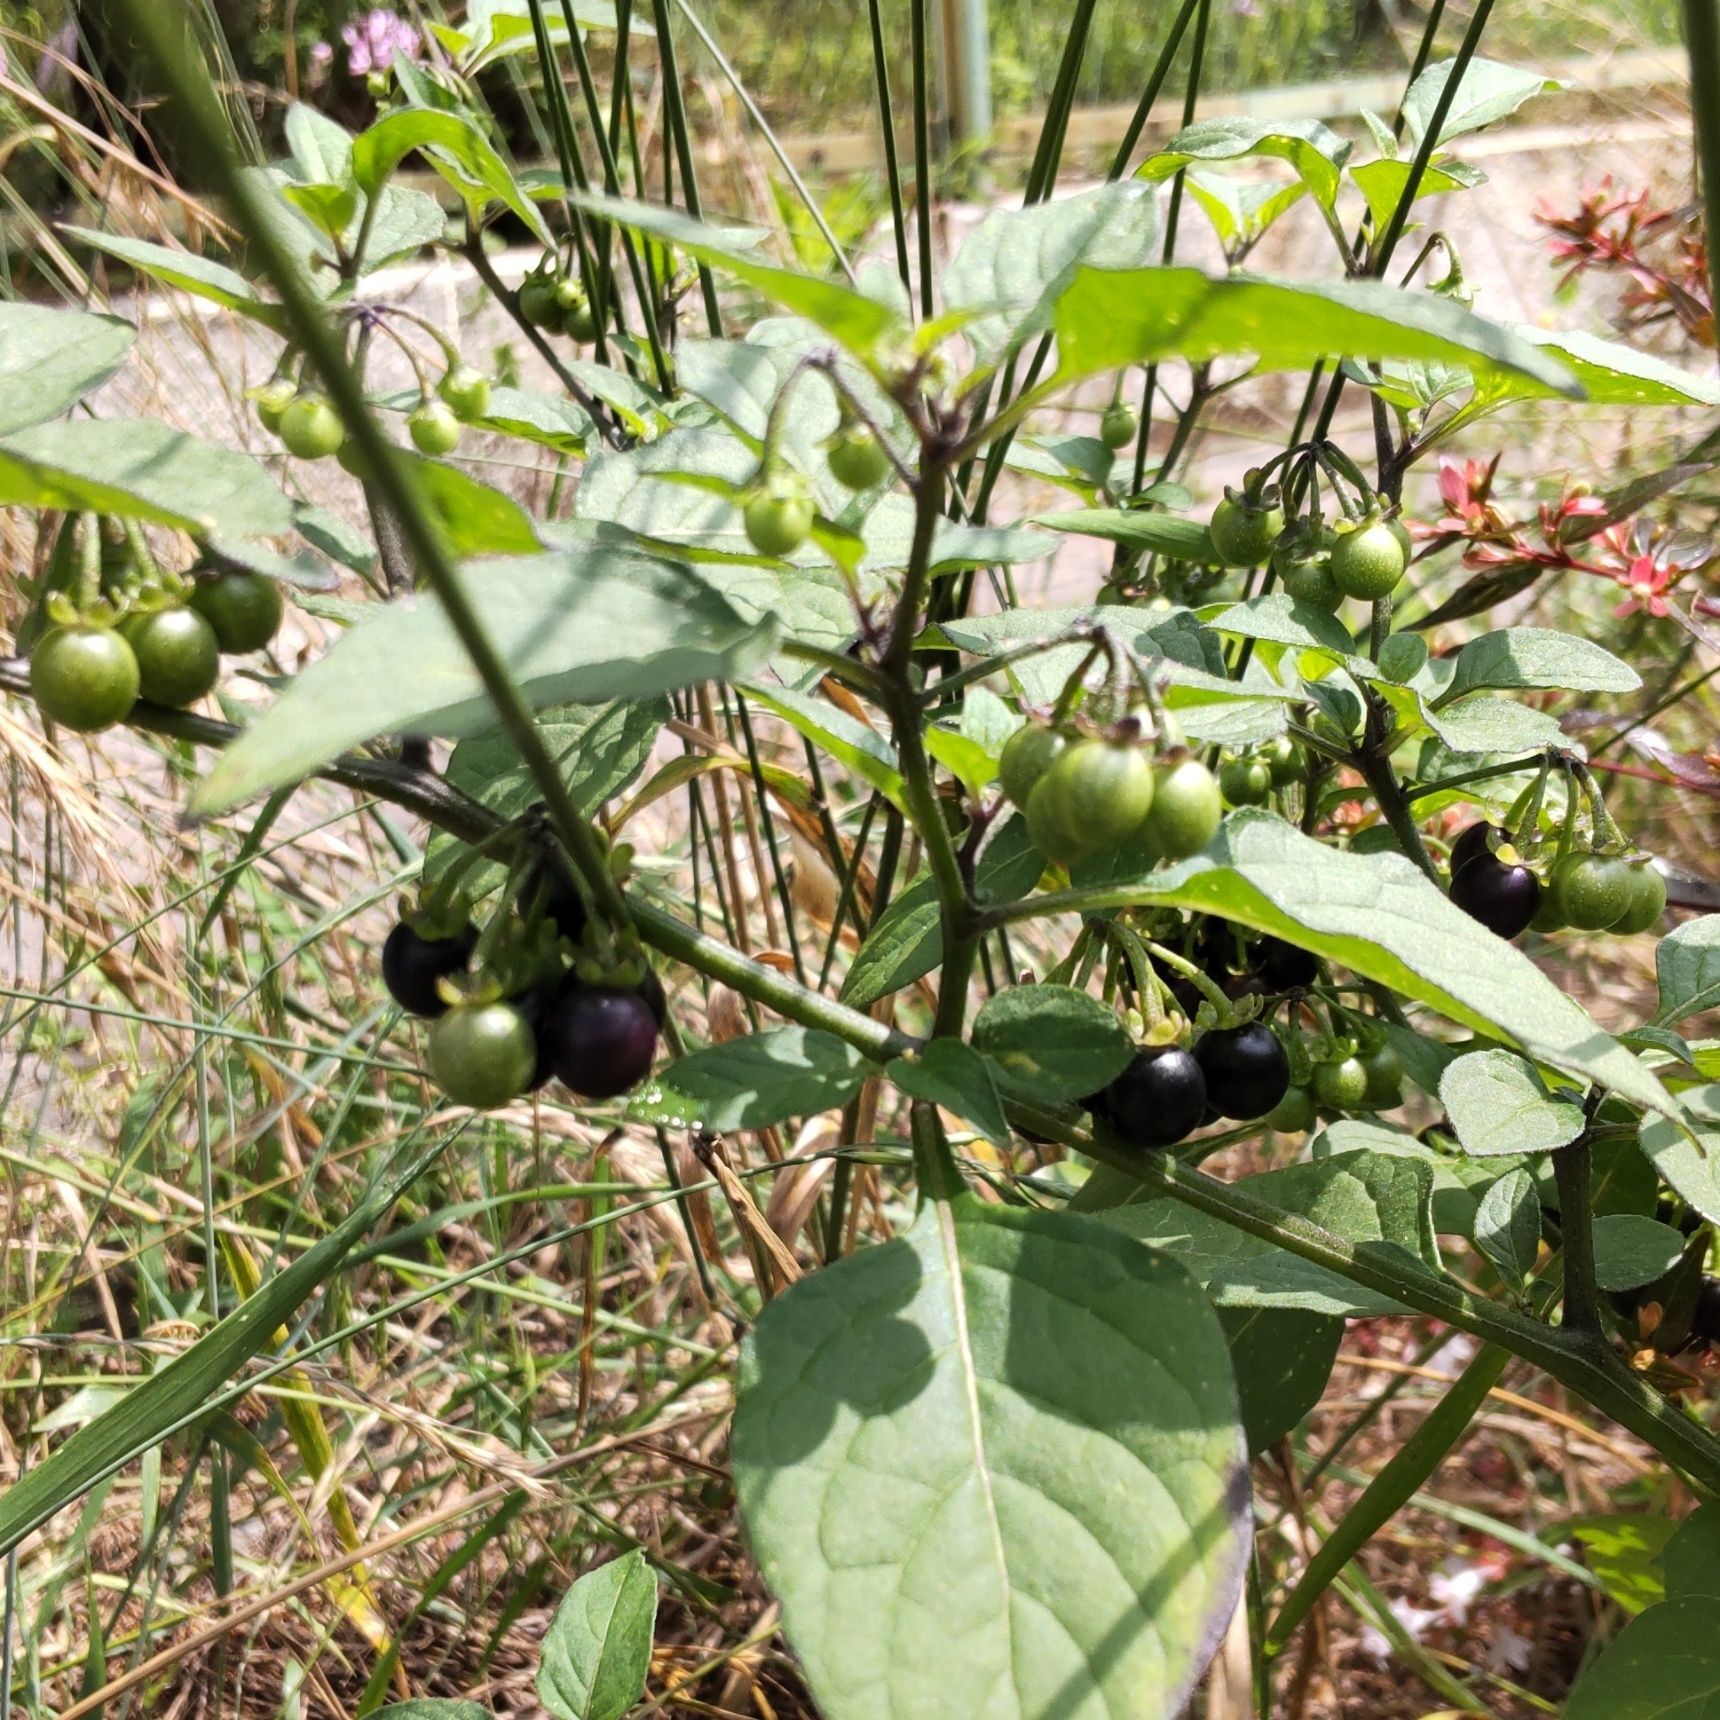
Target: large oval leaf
51, 358
1008, 1443
1664, 1665
573, 628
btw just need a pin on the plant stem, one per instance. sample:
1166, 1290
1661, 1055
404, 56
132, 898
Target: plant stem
1371, 760
1572, 1168
1702, 39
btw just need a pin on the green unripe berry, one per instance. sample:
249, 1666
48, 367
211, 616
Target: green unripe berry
1341, 1086
1026, 756
1103, 791
467, 391
1593, 891
311, 428
85, 678
538, 304
1647, 901
1186, 810
1367, 560
1118, 426
857, 459
1243, 533
244, 608
1294, 1113
779, 514
1245, 782
434, 428
271, 400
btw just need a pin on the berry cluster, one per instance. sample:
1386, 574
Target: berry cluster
1598, 889
553, 300
311, 429
139, 632
537, 995
1084, 793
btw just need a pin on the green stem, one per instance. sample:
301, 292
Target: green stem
1702, 39
1371, 760
1572, 1169
1390, 1490
391, 476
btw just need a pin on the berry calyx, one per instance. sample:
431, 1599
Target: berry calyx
779, 514
1367, 559
311, 428
1157, 1100
857, 458
466, 389
600, 1040
1247, 1071
482, 1054
412, 964
178, 655
243, 607
85, 678
272, 400
1118, 426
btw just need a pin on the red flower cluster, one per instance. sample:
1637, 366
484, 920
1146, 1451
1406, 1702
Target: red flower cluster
1566, 535
1660, 251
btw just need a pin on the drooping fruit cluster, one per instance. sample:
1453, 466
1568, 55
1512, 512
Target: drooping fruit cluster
1597, 889
527, 1001
553, 300
1086, 793
148, 635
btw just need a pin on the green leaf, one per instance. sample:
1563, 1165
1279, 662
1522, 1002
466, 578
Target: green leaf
1687, 965
1485, 724
1499, 1105
597, 1650
1380, 1203
1539, 657
852, 743
1008, 1442
1282, 1359
329, 207
143, 470
448, 140
1382, 918
473, 518
572, 628
200, 276
546, 419
907, 942
1690, 1165
867, 327
1631, 1251
950, 1073
170, 1398
50, 359
1164, 534
753, 1082
1239, 210
497, 29
1624, 1551
1691, 1559
1664, 1665
1384, 182
1015, 262
1051, 1042
1489, 91
321, 148
1316, 153
1610, 374
1110, 318
1508, 1225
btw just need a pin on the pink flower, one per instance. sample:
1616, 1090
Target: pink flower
373, 41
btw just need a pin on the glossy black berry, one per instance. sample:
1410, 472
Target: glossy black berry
599, 1040
411, 966
1157, 1100
1247, 1071
1472, 843
1503, 898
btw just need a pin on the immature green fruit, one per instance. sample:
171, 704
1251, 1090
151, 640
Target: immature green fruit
1405, 542
1593, 891
1284, 759
1242, 533
1647, 901
1245, 782
84, 677
1048, 828
178, 655
1368, 561
1341, 1086
467, 391
1294, 1113
1385, 1078
1402, 657
1026, 756
577, 319
779, 514
538, 303
1103, 791
433, 427
271, 400
1118, 426
243, 607
482, 1054
311, 428
1186, 810
1302, 561
857, 458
